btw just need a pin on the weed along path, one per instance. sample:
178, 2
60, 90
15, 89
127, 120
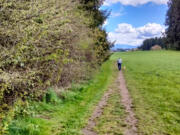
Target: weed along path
126, 101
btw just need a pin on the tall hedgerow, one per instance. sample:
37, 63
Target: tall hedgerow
45, 43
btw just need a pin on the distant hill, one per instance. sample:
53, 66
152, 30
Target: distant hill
116, 47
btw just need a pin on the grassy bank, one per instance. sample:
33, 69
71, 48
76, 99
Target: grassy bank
153, 79
68, 114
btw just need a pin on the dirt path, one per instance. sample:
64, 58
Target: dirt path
88, 130
126, 101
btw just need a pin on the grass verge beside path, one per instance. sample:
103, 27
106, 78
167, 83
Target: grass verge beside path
153, 79
68, 115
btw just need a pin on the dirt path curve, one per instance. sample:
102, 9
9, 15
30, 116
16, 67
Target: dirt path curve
126, 101
88, 130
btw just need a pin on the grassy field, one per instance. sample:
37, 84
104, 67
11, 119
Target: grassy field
153, 79
66, 115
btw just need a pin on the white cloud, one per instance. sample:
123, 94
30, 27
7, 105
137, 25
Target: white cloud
128, 35
134, 2
125, 28
118, 13
113, 14
151, 30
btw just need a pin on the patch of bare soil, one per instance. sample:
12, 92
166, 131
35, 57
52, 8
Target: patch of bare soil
88, 130
126, 101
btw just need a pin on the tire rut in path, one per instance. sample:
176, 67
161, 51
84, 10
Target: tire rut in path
88, 130
126, 101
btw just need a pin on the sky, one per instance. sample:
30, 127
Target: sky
133, 21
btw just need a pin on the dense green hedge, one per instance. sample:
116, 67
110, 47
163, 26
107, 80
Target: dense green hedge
45, 43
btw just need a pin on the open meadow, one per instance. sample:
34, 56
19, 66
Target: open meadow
153, 79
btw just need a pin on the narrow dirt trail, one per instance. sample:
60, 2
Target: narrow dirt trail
88, 130
130, 120
126, 101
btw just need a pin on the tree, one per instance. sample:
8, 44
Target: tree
148, 43
173, 23
99, 16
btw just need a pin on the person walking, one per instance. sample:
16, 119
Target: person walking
119, 63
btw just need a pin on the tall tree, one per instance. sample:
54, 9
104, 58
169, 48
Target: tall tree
173, 23
92, 6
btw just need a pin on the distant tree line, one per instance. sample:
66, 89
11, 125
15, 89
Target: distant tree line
149, 43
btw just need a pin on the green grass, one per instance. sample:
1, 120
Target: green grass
66, 115
153, 79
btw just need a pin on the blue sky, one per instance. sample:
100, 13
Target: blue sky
132, 21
